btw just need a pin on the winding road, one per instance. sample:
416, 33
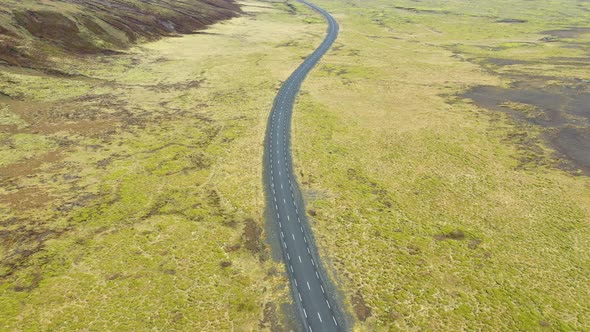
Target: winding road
316, 306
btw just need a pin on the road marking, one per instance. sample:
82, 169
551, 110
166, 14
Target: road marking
317, 275
282, 235
287, 95
276, 206
284, 201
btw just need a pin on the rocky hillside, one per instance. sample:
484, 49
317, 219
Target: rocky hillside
36, 33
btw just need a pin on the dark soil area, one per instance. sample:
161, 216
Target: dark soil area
361, 309
563, 112
504, 62
511, 20
572, 32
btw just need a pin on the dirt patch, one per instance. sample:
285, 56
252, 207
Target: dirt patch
270, 319
572, 32
21, 243
413, 250
161, 87
511, 20
562, 111
456, 234
382, 197
422, 11
574, 142
504, 62
84, 116
361, 309
251, 236
473, 244
25, 199
232, 248
27, 167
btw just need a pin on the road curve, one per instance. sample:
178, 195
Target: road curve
316, 307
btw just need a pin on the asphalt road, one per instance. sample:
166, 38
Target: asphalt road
316, 307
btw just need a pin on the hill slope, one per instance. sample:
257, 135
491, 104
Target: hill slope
35, 32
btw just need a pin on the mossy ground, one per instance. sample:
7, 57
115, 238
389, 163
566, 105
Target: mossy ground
131, 194
433, 213
132, 198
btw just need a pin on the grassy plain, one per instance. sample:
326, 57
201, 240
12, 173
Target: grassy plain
131, 194
432, 212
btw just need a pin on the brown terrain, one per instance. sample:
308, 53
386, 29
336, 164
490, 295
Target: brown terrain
33, 33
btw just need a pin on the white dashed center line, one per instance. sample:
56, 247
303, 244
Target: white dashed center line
280, 126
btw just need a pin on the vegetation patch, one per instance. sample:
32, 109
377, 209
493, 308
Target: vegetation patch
131, 193
438, 190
